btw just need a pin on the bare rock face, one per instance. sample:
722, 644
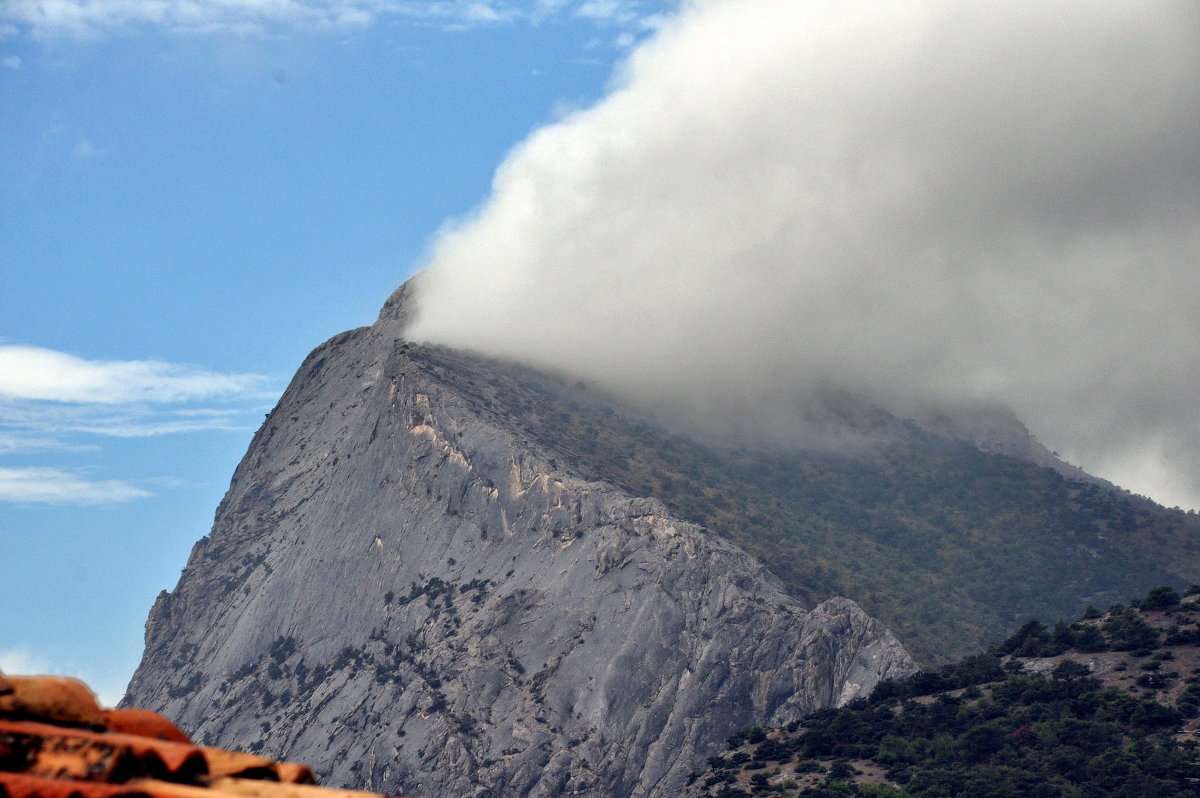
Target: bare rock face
402, 590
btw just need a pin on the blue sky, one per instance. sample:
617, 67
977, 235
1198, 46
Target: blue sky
943, 207
192, 196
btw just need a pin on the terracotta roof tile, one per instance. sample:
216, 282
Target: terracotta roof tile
236, 763
56, 742
42, 750
144, 723
58, 699
20, 785
67, 752
265, 789
250, 788
167, 789
296, 773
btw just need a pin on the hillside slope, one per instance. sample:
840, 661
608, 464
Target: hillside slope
1103, 706
949, 545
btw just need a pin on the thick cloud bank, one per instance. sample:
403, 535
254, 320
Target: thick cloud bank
925, 202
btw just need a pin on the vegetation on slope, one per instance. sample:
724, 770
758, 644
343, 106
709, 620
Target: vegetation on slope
1101, 707
948, 545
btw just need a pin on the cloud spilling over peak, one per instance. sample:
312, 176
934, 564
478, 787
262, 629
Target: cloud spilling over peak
924, 203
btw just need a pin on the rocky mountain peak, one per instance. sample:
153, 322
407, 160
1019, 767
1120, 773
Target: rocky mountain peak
404, 589
399, 308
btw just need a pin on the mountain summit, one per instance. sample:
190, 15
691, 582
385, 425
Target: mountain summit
409, 587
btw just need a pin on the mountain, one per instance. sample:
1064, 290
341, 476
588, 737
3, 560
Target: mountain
408, 590
438, 574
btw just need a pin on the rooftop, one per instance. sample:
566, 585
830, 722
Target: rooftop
56, 741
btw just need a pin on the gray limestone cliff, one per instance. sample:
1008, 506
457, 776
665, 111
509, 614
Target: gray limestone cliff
404, 591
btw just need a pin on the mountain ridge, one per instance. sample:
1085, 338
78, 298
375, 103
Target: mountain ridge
949, 544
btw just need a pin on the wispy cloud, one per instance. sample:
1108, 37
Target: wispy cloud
11, 62
46, 395
620, 12
21, 442
25, 419
54, 401
57, 486
84, 149
89, 18
32, 372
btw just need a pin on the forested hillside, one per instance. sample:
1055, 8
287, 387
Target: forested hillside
1104, 706
952, 547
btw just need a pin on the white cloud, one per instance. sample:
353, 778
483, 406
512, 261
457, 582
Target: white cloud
131, 421
619, 12
84, 18
22, 442
481, 12
21, 660
923, 202
30, 372
546, 8
57, 486
50, 400
87, 18
11, 62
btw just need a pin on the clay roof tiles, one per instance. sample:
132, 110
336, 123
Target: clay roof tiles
57, 742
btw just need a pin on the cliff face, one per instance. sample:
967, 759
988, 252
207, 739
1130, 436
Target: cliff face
405, 591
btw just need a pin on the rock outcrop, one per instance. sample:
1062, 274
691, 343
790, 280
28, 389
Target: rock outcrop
404, 591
